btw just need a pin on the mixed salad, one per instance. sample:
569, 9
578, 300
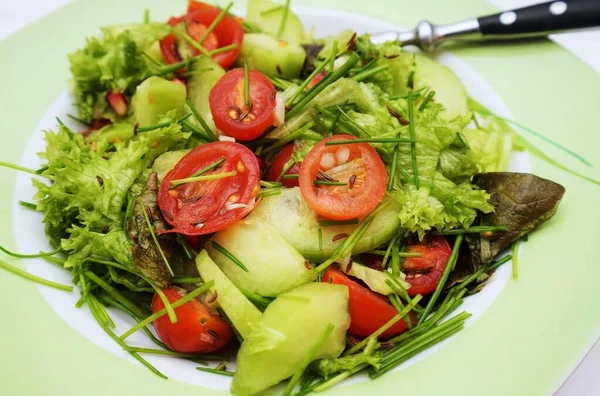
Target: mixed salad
313, 208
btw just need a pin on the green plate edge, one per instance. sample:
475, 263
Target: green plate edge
526, 343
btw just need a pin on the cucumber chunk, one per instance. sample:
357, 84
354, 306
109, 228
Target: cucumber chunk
167, 161
273, 57
242, 313
274, 266
267, 15
290, 327
154, 98
299, 225
205, 74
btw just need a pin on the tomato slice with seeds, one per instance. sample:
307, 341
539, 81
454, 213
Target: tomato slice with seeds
275, 171
204, 207
356, 165
197, 330
229, 109
368, 310
423, 273
200, 15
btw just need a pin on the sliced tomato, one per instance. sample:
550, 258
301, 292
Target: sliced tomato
357, 165
229, 109
423, 273
96, 124
204, 207
197, 330
275, 171
117, 101
368, 310
200, 15
316, 80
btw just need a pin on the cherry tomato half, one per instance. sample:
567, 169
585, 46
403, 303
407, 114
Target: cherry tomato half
357, 165
423, 273
200, 15
368, 310
275, 171
204, 207
197, 330
229, 110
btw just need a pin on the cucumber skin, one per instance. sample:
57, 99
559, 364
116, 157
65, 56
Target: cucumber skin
291, 325
155, 97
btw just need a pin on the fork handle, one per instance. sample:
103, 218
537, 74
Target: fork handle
542, 19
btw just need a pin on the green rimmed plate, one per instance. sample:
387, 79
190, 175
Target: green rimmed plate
527, 334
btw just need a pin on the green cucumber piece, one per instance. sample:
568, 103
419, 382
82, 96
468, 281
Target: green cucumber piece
267, 16
205, 74
273, 57
154, 98
167, 161
243, 314
290, 327
274, 266
299, 225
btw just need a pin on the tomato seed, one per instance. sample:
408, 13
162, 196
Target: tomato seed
351, 181
240, 167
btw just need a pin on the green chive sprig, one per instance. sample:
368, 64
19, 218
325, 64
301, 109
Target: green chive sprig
230, 256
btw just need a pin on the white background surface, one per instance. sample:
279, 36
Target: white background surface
586, 45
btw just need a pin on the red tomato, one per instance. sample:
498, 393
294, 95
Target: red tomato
197, 330
117, 101
316, 80
423, 273
356, 164
204, 207
368, 310
275, 171
229, 110
228, 31
97, 124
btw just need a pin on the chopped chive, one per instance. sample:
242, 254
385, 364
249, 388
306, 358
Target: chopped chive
200, 134
146, 16
284, 18
308, 358
337, 118
222, 365
413, 148
246, 85
368, 73
250, 27
215, 371
386, 326
167, 352
269, 192
369, 140
162, 124
95, 307
498, 263
279, 84
186, 280
267, 184
329, 183
473, 230
204, 170
79, 120
327, 223
222, 49
400, 254
351, 121
515, 253
200, 120
34, 278
426, 100
187, 249
397, 287
166, 302
28, 205
261, 302
272, 9
321, 85
215, 176
153, 234
230, 256
411, 80
192, 42
307, 81
388, 251
286, 168
396, 303
114, 293
214, 23
416, 94
443, 279
18, 167
152, 60
331, 60
395, 262
293, 176
289, 138
190, 296
173, 68
19, 255
320, 232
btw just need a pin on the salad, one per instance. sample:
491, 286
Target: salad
306, 208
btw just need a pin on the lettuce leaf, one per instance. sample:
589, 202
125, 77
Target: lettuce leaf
113, 62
